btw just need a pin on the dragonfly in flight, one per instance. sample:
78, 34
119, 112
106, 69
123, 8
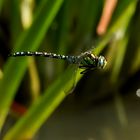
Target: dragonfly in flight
86, 61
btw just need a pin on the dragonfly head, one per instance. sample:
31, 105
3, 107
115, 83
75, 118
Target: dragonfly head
101, 62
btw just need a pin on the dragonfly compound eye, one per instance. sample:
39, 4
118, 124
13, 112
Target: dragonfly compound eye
101, 62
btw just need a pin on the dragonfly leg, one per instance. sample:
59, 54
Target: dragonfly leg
85, 71
82, 67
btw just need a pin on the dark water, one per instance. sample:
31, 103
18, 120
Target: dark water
116, 118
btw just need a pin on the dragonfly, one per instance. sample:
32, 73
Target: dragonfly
86, 61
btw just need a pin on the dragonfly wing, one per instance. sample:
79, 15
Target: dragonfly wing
73, 82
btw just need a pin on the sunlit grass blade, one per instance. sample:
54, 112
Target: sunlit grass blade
41, 109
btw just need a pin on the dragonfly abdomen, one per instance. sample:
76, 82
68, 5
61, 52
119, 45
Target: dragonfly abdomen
70, 59
44, 54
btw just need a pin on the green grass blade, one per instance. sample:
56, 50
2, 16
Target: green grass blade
29, 40
41, 109
120, 54
1, 4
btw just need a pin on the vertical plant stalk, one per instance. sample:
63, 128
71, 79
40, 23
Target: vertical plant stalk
108, 10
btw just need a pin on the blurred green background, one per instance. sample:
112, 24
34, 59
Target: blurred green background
49, 99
